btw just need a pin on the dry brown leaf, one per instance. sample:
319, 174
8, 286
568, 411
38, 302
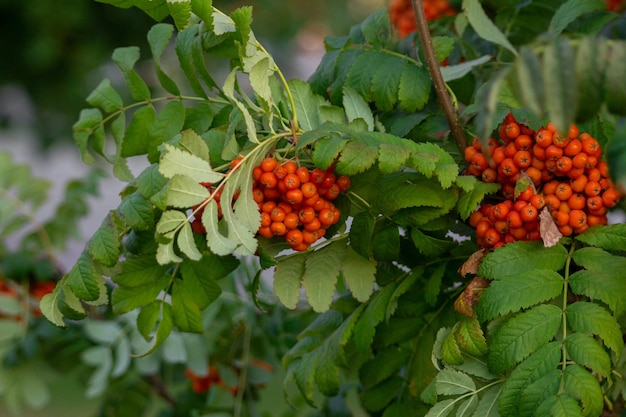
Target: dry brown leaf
548, 229
464, 304
473, 262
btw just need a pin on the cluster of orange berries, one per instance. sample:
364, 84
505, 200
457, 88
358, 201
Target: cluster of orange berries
296, 202
562, 172
402, 17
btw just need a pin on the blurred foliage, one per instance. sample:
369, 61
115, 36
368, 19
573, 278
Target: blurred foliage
55, 50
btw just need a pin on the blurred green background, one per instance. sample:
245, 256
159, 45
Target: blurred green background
54, 53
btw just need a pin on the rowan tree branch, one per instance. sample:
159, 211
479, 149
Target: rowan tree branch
433, 68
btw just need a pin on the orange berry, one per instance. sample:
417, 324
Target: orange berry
573, 148
291, 220
552, 201
592, 188
268, 179
577, 201
512, 130
538, 201
577, 218
294, 237
563, 191
514, 219
529, 213
524, 142
278, 228
522, 159
610, 197
492, 236
268, 164
543, 138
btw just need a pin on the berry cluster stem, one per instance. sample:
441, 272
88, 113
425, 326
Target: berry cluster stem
433, 68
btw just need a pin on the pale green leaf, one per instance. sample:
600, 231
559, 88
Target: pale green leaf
488, 402
357, 108
454, 72
607, 286
287, 280
522, 334
184, 192
166, 254
178, 162
216, 241
306, 110
50, 309
391, 157
186, 243
442, 408
320, 276
356, 157
450, 382
359, 273
171, 220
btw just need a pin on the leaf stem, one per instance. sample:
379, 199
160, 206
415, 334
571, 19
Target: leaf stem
568, 263
433, 68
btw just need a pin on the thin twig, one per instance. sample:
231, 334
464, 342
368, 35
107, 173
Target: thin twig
433, 68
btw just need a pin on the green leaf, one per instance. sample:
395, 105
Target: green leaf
455, 72
84, 280
216, 241
359, 273
380, 396
104, 245
608, 237
590, 64
179, 162
582, 385
287, 280
159, 37
147, 318
545, 359
415, 86
326, 150
184, 51
305, 375
320, 275
386, 243
450, 350
429, 159
170, 221
138, 271
357, 108
376, 28
529, 80
470, 338
306, 104
186, 243
561, 405
519, 291
180, 10
614, 95
166, 254
488, 402
450, 382
184, 192
105, 97
49, 306
88, 122
362, 72
521, 335
186, 315
601, 280
538, 391
407, 195
513, 259
356, 157
483, 26
136, 141
374, 313
570, 11
429, 245
561, 98
385, 364
442, 408
136, 211
125, 299
386, 81
199, 277
391, 157
163, 330
125, 59
361, 233
591, 318
469, 200
586, 351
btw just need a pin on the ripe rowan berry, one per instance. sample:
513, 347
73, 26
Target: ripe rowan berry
268, 164
529, 213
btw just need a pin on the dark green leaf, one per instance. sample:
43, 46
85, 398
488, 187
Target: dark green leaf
376, 28
141, 270
200, 288
483, 26
104, 245
83, 279
529, 80
184, 50
379, 396
136, 211
386, 82
361, 233
163, 330
521, 335
159, 37
125, 299
414, 88
147, 318
326, 151
429, 245
374, 313
614, 94
359, 273
561, 405
385, 364
186, 313
386, 243
469, 200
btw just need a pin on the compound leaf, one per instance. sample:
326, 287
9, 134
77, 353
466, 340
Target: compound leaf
521, 335
591, 318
